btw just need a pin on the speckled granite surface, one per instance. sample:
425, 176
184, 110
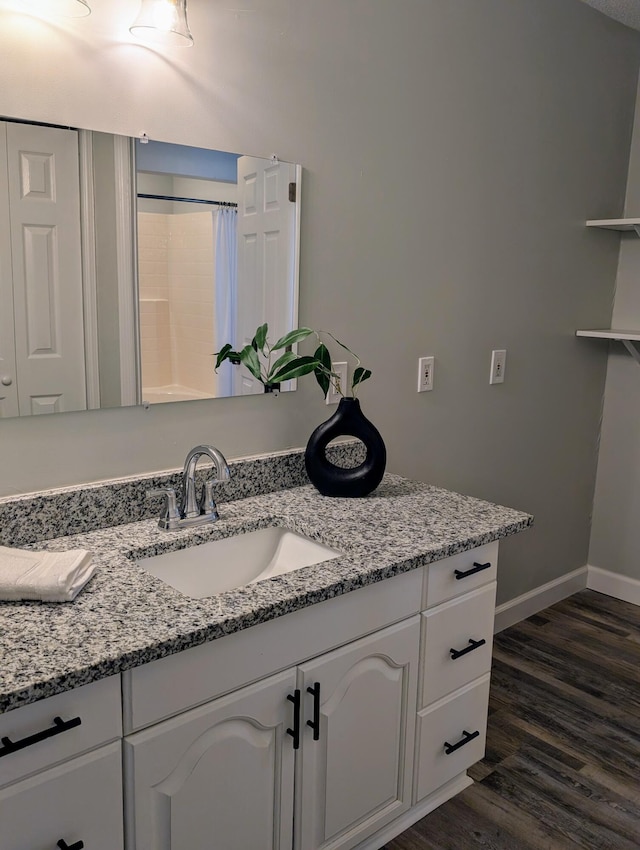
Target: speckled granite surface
73, 510
126, 617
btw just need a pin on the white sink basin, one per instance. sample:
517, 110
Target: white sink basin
200, 571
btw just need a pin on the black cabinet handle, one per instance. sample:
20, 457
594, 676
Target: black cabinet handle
59, 726
62, 844
295, 732
476, 568
466, 737
315, 723
473, 644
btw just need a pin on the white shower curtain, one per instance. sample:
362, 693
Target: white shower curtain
226, 275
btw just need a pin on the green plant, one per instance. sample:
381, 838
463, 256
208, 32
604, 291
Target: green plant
326, 377
258, 358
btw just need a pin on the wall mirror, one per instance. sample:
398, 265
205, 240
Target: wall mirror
124, 265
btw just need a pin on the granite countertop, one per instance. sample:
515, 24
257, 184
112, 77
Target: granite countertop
125, 617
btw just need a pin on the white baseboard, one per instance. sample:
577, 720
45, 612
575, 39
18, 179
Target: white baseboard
613, 584
512, 612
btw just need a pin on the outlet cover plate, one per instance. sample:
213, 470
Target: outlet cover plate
332, 396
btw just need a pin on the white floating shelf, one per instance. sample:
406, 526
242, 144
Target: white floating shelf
627, 338
616, 224
611, 333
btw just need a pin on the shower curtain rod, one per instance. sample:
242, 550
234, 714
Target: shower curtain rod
186, 200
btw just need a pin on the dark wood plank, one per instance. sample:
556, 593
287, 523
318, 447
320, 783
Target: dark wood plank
562, 764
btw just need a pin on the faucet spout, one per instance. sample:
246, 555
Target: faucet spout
190, 505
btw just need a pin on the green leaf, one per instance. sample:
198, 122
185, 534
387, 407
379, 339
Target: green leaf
224, 354
360, 375
296, 369
249, 358
323, 369
291, 338
282, 361
261, 336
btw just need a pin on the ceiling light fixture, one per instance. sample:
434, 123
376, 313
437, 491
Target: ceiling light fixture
163, 22
65, 8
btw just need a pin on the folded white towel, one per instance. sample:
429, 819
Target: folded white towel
45, 576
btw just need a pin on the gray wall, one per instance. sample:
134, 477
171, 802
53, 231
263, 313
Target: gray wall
452, 152
615, 537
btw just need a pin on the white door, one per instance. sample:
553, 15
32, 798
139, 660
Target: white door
43, 177
266, 255
357, 776
218, 777
8, 383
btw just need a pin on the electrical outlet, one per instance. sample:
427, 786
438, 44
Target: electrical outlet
425, 374
341, 370
498, 365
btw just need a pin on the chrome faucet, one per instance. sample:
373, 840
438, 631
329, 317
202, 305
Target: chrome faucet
193, 511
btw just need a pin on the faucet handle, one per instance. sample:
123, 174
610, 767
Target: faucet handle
170, 513
207, 502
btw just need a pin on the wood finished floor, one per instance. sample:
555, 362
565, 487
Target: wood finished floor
562, 766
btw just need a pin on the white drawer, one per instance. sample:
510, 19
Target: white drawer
457, 638
98, 707
460, 573
166, 687
451, 737
79, 801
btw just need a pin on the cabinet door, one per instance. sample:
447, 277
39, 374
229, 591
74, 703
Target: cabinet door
357, 776
78, 801
218, 777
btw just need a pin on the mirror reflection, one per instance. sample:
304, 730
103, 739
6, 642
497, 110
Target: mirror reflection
126, 266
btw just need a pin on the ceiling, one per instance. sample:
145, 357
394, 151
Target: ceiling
625, 11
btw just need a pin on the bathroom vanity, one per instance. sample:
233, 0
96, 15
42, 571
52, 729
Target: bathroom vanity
330, 707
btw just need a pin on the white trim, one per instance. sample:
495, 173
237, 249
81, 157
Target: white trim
127, 309
89, 272
539, 598
416, 813
613, 584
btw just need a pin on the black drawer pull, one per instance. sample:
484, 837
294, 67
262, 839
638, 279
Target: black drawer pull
315, 723
467, 736
476, 568
62, 844
473, 644
295, 732
59, 726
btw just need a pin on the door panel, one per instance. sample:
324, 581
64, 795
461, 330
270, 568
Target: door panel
195, 775
266, 254
43, 179
8, 382
357, 776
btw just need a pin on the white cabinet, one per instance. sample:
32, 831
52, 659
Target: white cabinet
392, 683
455, 660
60, 778
451, 737
356, 777
76, 804
226, 769
331, 728
457, 642
56, 729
